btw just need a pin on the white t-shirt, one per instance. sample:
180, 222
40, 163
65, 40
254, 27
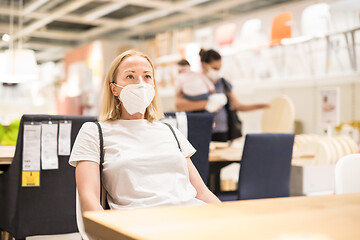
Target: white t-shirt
143, 165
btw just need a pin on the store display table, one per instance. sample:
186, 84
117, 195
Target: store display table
321, 217
6, 154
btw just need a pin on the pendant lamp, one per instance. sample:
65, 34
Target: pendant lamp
17, 65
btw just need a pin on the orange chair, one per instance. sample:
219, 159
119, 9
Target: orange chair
281, 28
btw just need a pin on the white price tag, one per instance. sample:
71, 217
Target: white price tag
64, 138
31, 147
49, 158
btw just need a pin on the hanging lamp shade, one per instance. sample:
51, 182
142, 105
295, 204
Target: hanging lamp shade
18, 65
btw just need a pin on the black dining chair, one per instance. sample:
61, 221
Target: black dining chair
264, 167
199, 130
45, 210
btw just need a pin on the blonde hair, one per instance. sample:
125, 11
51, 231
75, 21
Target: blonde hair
110, 107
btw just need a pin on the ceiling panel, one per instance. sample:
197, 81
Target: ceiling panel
69, 27
127, 11
88, 7
49, 23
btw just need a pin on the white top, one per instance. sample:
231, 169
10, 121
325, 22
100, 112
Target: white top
143, 165
194, 84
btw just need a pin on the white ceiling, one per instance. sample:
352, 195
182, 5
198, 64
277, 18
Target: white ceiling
51, 27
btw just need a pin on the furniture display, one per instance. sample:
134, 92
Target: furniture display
347, 177
279, 117
45, 209
220, 157
335, 217
6, 154
265, 167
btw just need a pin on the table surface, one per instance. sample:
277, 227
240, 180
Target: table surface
6, 154
225, 154
318, 217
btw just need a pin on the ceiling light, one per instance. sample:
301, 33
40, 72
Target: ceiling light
17, 65
6, 37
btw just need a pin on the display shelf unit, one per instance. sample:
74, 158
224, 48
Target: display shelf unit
248, 86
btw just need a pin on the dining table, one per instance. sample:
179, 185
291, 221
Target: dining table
6, 154
331, 217
221, 156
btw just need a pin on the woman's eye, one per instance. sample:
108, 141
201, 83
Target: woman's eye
130, 76
148, 77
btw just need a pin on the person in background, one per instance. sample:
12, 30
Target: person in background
138, 170
211, 65
195, 86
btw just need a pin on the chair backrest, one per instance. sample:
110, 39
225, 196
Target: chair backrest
347, 174
265, 166
199, 131
281, 28
49, 208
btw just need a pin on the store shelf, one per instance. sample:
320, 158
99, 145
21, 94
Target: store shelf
247, 86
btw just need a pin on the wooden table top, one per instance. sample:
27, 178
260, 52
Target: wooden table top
6, 154
320, 217
225, 154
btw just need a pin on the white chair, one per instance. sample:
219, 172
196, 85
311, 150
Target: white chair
347, 174
79, 217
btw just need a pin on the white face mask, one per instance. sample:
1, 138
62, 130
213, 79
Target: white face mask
213, 74
136, 97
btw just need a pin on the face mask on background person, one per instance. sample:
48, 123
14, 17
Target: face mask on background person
213, 74
136, 97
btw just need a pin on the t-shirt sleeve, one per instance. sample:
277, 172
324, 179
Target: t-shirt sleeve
87, 145
186, 148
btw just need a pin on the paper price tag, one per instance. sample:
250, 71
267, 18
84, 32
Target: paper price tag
31, 147
49, 158
30, 179
64, 138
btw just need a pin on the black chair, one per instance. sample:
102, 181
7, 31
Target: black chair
45, 210
199, 125
264, 167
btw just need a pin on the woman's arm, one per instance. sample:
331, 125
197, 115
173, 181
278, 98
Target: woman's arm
184, 105
88, 185
236, 104
203, 193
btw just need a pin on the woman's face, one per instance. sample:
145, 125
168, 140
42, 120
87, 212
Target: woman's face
216, 65
133, 70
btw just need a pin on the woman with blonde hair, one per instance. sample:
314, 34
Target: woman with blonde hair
143, 164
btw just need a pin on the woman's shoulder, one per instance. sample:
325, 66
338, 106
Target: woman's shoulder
88, 126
